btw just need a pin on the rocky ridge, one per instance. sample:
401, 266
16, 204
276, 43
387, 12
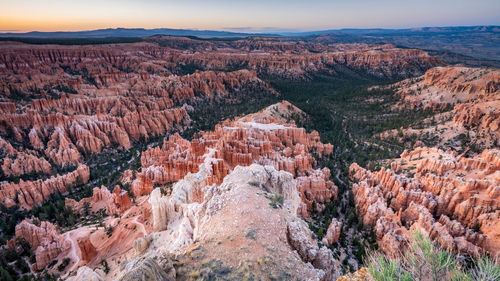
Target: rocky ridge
191, 215
265, 138
469, 99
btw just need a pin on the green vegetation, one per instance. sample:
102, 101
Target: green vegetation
55, 211
105, 266
205, 115
350, 116
425, 261
64, 264
276, 201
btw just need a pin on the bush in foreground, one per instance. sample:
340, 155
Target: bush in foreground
425, 261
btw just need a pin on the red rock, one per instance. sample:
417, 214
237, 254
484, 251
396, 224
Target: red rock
112, 203
264, 137
87, 249
443, 186
333, 233
27, 194
44, 239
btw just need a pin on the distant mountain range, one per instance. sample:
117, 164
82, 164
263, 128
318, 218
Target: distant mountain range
124, 32
405, 31
142, 32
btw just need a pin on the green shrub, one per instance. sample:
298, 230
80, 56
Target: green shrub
276, 201
423, 261
486, 270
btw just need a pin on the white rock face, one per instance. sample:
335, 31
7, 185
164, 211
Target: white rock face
242, 208
86, 274
161, 207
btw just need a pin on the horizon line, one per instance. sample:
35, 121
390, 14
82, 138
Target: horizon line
252, 30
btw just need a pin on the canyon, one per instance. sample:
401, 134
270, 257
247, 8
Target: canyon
260, 158
257, 162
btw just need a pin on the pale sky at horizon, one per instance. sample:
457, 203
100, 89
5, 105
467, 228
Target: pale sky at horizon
257, 15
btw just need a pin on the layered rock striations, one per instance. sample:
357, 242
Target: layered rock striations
234, 197
235, 167
452, 198
115, 202
16, 163
260, 228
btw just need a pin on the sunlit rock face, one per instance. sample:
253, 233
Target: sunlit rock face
61, 106
112, 203
452, 198
44, 239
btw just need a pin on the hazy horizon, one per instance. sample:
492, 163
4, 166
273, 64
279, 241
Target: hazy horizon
247, 29
237, 16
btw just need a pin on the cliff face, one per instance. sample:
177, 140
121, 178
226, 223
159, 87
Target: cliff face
263, 226
441, 86
109, 67
379, 60
452, 198
112, 203
18, 163
63, 105
470, 97
66, 106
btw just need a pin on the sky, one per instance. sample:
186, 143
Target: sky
250, 15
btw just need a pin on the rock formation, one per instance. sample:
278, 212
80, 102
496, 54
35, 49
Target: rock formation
27, 194
453, 198
469, 98
260, 228
44, 239
265, 137
237, 196
197, 211
333, 232
112, 203
19, 163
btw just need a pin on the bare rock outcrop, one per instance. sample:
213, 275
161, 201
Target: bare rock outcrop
85, 273
267, 231
443, 194
112, 203
19, 163
158, 267
333, 232
470, 98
